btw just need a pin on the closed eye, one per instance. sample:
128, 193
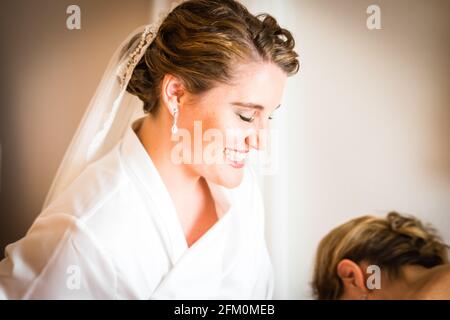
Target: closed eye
246, 119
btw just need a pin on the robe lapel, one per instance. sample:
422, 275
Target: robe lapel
199, 272
163, 212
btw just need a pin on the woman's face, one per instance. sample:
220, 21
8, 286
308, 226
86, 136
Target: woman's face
226, 122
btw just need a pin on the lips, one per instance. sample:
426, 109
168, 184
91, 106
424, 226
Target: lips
236, 158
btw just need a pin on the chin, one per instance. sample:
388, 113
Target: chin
227, 176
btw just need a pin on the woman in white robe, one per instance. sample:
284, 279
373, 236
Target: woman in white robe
114, 234
136, 225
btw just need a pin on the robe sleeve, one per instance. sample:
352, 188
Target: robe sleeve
58, 258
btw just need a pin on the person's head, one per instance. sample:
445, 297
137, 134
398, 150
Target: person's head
390, 243
224, 68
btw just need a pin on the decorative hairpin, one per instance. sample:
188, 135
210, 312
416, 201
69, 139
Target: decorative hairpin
146, 38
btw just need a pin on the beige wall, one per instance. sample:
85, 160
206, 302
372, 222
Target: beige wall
365, 125
49, 75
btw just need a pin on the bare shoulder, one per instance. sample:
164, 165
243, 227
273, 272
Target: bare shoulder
437, 285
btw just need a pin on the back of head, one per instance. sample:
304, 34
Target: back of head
389, 243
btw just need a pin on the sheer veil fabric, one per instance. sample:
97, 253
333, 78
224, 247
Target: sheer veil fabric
109, 113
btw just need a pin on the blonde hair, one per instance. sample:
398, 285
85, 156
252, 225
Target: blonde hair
389, 242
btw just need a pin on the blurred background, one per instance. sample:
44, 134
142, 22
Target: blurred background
364, 127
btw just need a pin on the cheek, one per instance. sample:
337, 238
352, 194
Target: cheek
214, 121
204, 114
218, 119
232, 132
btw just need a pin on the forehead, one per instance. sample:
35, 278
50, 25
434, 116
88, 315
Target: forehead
258, 83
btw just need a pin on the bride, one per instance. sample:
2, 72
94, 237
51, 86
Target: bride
130, 215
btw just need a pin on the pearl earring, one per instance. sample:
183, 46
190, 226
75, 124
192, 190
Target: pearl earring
175, 118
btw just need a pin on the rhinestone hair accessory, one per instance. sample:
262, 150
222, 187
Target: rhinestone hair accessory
146, 38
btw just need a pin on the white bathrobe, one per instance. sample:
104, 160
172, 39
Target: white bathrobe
114, 234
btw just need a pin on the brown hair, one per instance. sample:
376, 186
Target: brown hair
200, 41
390, 243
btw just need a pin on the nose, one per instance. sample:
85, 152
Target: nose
257, 139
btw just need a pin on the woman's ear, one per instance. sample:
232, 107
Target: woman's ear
172, 90
353, 279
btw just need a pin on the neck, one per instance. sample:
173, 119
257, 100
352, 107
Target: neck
155, 135
409, 281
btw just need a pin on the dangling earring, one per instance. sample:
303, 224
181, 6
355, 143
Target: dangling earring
175, 118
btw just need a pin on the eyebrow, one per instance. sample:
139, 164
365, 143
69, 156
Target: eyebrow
251, 105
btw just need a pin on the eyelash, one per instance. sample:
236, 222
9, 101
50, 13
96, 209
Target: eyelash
246, 119
250, 119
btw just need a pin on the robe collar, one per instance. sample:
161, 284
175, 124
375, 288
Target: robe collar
136, 158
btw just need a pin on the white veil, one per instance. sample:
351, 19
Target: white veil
110, 111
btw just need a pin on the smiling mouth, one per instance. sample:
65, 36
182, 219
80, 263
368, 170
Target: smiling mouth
236, 158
